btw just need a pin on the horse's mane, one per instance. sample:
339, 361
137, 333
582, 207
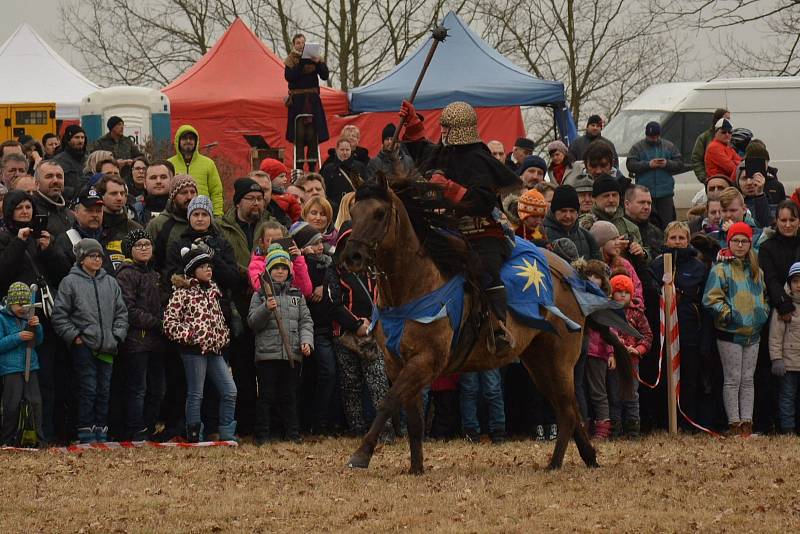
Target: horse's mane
433, 218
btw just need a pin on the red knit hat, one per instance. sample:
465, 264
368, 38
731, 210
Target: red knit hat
273, 167
622, 282
531, 204
740, 228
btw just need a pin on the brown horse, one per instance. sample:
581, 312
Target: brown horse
384, 238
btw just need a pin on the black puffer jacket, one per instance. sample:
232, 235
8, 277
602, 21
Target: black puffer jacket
322, 311
145, 300
775, 256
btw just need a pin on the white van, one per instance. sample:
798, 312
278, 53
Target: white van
770, 107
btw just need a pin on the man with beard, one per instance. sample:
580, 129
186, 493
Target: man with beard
473, 179
72, 160
239, 225
279, 206
156, 186
607, 208
116, 225
342, 174
171, 223
189, 160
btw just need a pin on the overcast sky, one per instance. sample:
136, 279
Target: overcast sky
43, 16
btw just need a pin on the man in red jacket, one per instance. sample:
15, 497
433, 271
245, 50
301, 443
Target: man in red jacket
721, 157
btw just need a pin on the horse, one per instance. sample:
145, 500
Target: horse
384, 239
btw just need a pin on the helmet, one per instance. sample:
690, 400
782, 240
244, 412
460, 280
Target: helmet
462, 122
740, 138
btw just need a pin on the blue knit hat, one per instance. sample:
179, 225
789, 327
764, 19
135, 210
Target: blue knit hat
276, 255
794, 270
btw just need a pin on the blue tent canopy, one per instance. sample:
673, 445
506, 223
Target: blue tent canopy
463, 68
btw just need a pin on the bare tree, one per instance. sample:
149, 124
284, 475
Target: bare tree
150, 42
778, 53
605, 51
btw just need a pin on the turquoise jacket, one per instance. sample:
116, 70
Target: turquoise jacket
736, 302
12, 348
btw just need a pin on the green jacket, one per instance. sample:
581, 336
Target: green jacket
699, 154
164, 237
201, 168
624, 226
234, 234
736, 301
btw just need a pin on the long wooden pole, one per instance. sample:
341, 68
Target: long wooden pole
669, 296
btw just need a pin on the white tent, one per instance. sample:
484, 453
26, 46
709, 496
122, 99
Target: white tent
36, 73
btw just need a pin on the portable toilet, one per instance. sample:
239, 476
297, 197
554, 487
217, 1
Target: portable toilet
145, 111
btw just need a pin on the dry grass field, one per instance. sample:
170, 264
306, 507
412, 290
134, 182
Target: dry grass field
658, 484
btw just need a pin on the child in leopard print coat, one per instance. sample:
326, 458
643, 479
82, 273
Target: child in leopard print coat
194, 319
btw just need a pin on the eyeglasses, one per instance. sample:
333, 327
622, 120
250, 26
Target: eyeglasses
740, 242
143, 246
139, 168
95, 256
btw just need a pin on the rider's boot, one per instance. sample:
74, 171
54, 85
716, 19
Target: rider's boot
502, 337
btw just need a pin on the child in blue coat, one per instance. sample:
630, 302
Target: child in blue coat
16, 331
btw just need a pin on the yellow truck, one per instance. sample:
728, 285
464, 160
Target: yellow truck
27, 119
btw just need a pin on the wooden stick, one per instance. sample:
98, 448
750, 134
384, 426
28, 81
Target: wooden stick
669, 296
266, 286
439, 35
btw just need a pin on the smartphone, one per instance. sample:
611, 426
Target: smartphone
285, 242
39, 224
754, 165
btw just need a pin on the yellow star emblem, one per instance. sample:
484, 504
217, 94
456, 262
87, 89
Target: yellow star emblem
532, 273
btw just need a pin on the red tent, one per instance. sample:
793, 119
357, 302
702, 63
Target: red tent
238, 88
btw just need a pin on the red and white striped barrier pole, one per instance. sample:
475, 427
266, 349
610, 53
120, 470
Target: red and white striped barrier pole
116, 445
669, 331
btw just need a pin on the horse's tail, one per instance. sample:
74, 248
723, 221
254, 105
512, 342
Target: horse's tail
623, 357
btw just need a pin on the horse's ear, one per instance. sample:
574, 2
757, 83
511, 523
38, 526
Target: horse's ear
382, 180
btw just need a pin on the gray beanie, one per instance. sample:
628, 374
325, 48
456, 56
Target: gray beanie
603, 232
200, 202
86, 246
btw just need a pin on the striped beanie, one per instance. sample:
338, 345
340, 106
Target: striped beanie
277, 256
18, 293
531, 204
178, 182
794, 270
195, 257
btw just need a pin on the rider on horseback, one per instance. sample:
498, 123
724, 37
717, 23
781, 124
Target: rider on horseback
472, 179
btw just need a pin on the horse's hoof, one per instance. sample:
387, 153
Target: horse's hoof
416, 470
554, 466
358, 461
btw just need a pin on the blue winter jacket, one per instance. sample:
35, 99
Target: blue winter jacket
659, 181
12, 348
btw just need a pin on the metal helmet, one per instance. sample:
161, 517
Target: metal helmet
462, 122
740, 138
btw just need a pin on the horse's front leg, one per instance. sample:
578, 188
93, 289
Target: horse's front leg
416, 431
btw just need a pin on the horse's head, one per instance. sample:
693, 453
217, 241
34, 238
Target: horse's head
373, 217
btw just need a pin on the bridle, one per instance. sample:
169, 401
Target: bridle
373, 271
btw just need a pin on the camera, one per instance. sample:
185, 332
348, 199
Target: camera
38, 224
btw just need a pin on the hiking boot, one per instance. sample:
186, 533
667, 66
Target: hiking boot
632, 429
746, 429
616, 429
86, 435
539, 433
734, 429
602, 430
227, 432
552, 432
503, 342
498, 437
471, 435
141, 435
101, 434
194, 433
